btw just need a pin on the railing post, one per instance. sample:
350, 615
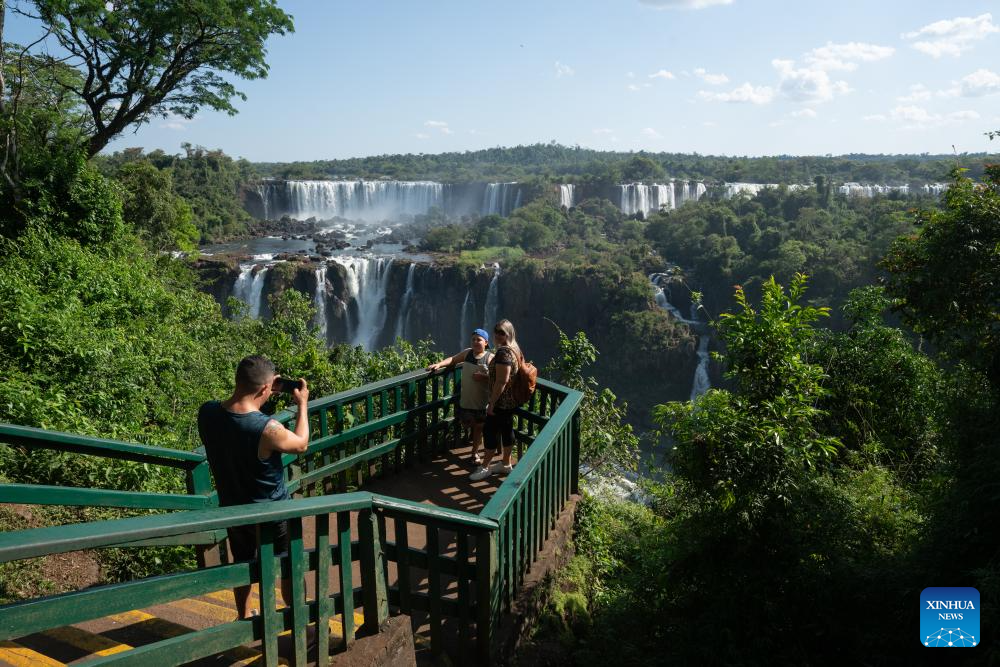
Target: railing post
269, 617
486, 584
199, 483
373, 587
575, 460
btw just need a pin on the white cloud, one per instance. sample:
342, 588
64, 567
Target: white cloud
746, 93
712, 79
684, 4
979, 83
662, 74
877, 118
633, 87
845, 56
807, 84
650, 133
952, 37
421, 135
776, 123
709, 123
918, 118
630, 75
602, 130
172, 121
918, 93
564, 70
439, 125
804, 113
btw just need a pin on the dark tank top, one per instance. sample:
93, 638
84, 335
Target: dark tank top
231, 442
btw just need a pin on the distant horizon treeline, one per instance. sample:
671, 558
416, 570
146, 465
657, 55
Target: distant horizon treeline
574, 164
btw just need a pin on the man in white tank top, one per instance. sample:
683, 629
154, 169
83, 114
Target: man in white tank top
475, 395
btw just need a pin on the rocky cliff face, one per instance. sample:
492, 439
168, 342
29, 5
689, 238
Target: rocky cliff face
645, 357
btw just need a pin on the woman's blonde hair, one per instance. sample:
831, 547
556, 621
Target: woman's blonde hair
508, 328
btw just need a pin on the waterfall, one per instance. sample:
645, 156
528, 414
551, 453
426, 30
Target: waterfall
500, 199
639, 198
241, 288
468, 320
360, 200
662, 296
366, 282
566, 195
319, 299
690, 191
859, 190
701, 382
256, 296
492, 300
402, 322
249, 288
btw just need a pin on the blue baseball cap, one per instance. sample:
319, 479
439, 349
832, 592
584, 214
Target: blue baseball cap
482, 334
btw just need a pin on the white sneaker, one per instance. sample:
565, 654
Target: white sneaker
482, 473
500, 467
477, 459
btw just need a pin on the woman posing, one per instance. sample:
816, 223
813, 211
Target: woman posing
500, 413
475, 391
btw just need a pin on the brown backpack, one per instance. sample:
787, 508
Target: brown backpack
523, 384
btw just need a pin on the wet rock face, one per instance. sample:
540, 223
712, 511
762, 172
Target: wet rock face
646, 364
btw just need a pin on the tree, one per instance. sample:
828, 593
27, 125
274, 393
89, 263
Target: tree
149, 205
947, 277
642, 168
146, 59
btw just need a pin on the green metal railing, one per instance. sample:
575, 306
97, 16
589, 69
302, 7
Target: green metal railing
371, 432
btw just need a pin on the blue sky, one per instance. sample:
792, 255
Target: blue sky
736, 77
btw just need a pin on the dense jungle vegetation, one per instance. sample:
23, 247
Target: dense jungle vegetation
838, 473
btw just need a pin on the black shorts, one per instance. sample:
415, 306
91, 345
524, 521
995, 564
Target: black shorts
243, 541
470, 417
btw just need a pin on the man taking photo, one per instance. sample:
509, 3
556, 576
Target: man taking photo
244, 448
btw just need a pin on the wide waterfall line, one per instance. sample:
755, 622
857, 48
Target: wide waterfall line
468, 317
403, 320
249, 288
492, 300
319, 299
357, 200
634, 198
501, 199
566, 195
859, 190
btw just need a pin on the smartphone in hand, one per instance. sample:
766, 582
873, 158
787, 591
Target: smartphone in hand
286, 385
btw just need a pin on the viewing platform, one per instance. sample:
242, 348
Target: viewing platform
384, 523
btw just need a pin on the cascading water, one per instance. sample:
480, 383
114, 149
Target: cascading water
701, 382
661, 289
319, 299
639, 198
501, 199
566, 193
859, 190
256, 298
358, 200
241, 288
492, 300
249, 288
402, 322
366, 282
468, 319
